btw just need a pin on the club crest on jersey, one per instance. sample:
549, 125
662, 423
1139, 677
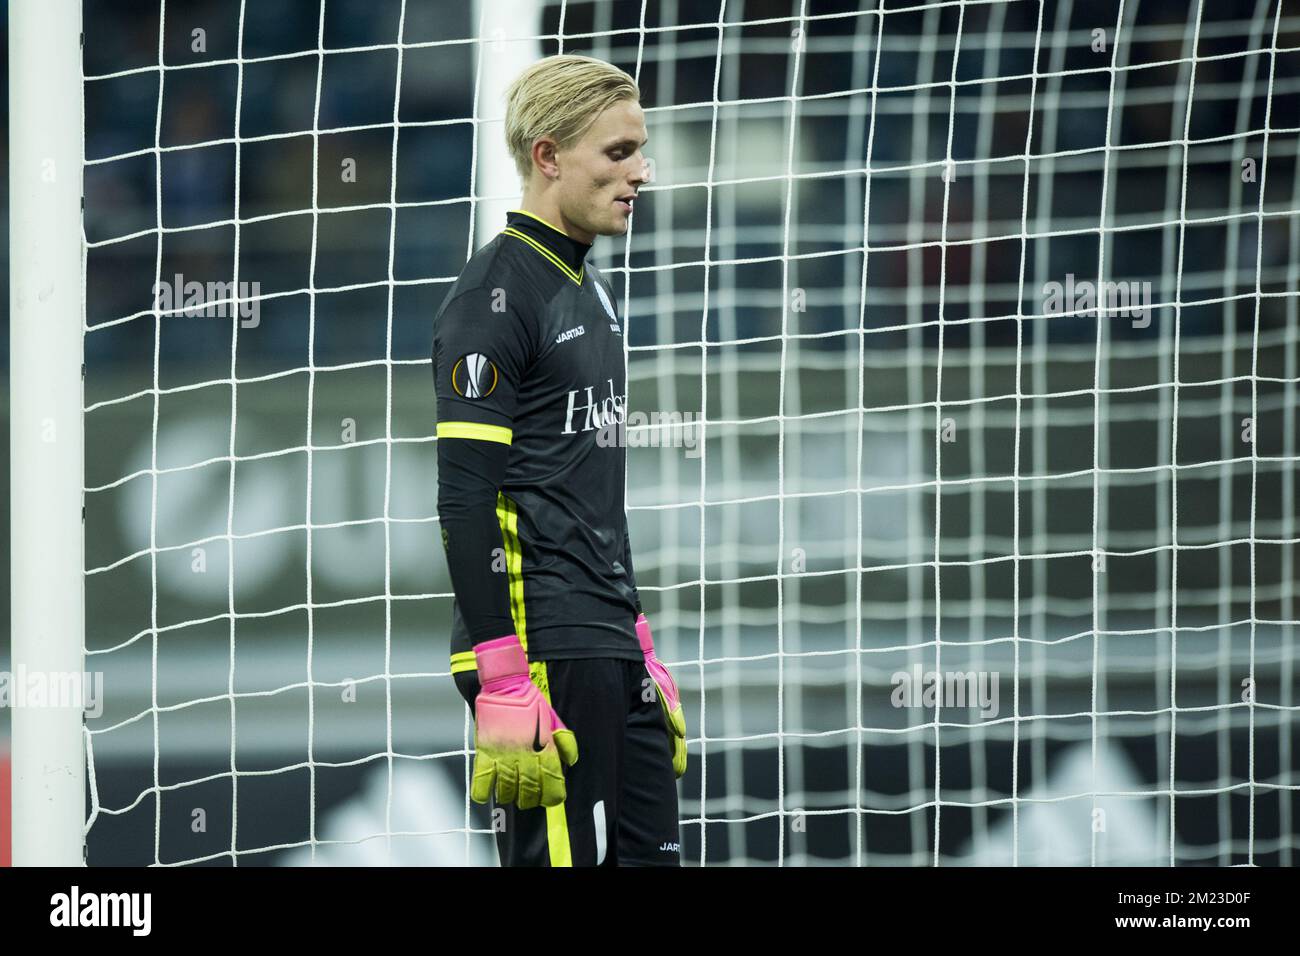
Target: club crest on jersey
604, 300
474, 376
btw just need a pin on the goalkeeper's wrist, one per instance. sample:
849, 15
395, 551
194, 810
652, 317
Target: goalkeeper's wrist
643, 635
500, 658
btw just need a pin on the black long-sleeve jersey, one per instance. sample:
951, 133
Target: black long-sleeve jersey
531, 400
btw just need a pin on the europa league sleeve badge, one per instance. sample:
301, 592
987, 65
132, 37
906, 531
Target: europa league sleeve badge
474, 376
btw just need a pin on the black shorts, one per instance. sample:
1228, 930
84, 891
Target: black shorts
620, 807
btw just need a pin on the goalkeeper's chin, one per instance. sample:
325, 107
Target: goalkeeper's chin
620, 217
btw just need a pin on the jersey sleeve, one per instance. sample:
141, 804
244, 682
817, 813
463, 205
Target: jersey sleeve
480, 354
470, 470
482, 346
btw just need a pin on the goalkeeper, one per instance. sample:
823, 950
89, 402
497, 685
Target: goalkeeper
579, 731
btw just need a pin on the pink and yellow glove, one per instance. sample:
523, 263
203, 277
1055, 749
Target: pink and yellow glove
670, 700
519, 740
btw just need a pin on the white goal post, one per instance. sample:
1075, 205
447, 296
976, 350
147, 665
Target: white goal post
45, 420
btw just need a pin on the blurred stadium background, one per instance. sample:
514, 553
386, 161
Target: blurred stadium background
1102, 541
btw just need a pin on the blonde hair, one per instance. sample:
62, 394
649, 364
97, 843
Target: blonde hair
560, 96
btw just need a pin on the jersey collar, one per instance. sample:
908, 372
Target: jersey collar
569, 250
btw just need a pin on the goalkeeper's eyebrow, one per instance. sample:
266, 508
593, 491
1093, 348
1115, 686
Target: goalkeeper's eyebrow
631, 143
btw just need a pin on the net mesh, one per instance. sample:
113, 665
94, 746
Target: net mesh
964, 342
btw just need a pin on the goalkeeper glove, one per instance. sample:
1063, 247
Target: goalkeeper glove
519, 740
670, 699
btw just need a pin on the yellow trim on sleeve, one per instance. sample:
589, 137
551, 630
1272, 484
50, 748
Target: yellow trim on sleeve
464, 661
498, 433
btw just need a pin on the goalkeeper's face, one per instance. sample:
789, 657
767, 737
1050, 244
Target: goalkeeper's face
602, 171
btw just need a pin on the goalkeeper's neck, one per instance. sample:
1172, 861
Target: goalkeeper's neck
544, 205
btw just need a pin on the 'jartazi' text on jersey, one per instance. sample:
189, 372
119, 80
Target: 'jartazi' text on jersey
528, 350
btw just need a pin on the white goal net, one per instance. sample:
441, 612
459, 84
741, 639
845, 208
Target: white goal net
975, 543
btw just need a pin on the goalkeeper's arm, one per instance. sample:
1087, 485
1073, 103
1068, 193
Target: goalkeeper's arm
520, 743
479, 354
469, 474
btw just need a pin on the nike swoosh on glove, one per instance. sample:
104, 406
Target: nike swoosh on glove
519, 740
670, 699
